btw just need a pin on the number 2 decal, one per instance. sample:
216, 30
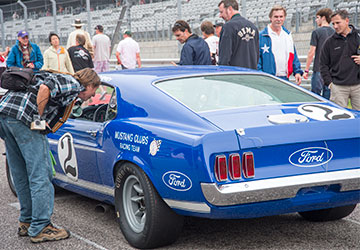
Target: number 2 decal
67, 156
322, 112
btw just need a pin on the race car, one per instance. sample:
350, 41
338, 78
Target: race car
216, 142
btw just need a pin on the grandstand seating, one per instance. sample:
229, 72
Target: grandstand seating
154, 20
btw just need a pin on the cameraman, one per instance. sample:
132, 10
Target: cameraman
340, 61
25, 54
27, 147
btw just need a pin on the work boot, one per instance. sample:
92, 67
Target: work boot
50, 233
23, 229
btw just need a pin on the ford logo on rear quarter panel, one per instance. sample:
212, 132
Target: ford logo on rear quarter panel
310, 157
177, 181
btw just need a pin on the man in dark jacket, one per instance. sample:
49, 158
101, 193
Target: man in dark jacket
25, 54
195, 50
340, 61
80, 57
239, 38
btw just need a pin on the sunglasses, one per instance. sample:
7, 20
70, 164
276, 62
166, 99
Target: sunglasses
180, 26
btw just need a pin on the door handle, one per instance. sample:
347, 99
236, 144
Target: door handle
92, 132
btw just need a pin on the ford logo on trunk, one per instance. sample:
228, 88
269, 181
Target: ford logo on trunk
310, 157
177, 181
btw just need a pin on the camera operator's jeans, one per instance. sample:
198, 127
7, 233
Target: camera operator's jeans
27, 152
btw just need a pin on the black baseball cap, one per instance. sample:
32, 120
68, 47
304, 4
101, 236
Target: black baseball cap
217, 24
99, 28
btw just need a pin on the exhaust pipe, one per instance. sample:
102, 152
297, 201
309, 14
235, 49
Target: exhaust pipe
102, 208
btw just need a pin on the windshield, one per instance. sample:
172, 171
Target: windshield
205, 93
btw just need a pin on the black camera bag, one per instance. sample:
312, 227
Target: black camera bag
17, 79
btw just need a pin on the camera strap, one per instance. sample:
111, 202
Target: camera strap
64, 117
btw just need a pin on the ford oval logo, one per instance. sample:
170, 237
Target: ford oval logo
177, 181
311, 157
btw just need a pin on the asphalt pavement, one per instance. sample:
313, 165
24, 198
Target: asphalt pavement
91, 229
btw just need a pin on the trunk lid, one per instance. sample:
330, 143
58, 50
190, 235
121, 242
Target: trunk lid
298, 146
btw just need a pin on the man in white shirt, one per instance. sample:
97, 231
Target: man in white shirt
128, 52
102, 46
208, 30
277, 51
78, 30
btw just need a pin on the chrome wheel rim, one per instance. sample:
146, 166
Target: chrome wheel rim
134, 204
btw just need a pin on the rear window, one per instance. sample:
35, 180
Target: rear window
205, 93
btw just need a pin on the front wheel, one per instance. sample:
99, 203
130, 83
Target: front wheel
335, 213
144, 218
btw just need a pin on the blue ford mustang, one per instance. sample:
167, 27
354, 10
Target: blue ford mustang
215, 142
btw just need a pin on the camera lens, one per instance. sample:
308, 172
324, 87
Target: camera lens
37, 123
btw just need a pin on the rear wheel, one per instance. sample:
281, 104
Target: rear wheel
144, 218
335, 213
9, 178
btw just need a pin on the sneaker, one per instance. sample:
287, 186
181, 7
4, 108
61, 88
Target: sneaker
50, 233
23, 229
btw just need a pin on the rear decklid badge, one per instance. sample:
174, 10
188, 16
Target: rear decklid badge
310, 157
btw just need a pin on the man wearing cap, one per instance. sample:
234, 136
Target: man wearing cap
25, 54
128, 52
78, 30
102, 46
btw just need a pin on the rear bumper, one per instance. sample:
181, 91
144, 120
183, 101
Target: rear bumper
277, 188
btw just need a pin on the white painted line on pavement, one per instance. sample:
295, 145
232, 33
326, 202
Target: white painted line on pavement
353, 221
85, 240
17, 206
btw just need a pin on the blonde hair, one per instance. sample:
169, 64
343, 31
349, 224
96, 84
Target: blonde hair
87, 77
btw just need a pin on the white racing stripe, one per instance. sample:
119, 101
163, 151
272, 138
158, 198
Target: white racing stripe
353, 221
17, 206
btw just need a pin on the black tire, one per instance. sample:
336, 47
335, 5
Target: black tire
9, 179
156, 224
335, 213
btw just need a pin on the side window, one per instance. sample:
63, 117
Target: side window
99, 108
111, 111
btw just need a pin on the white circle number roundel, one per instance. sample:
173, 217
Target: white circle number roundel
67, 156
323, 112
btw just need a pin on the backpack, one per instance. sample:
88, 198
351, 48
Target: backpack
17, 79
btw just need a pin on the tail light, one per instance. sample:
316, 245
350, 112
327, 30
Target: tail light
234, 167
221, 168
248, 167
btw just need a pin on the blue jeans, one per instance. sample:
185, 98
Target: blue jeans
27, 152
318, 87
